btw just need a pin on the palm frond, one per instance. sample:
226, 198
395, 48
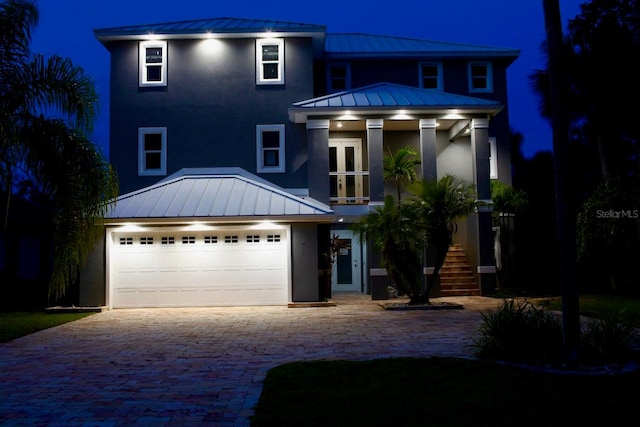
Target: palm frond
79, 182
54, 82
18, 18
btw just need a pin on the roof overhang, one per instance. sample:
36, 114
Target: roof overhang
408, 113
217, 28
343, 46
507, 57
200, 34
214, 195
385, 100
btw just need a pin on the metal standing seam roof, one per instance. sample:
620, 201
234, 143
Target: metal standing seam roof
394, 95
389, 96
208, 26
357, 44
335, 45
214, 195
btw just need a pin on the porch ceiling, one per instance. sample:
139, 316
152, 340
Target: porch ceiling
393, 125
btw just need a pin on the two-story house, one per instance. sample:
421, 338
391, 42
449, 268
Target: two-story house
242, 145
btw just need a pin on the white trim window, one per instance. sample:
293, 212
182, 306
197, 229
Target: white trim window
480, 77
338, 77
153, 63
269, 61
270, 148
152, 151
493, 159
431, 75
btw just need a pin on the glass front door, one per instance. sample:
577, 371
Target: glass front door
347, 271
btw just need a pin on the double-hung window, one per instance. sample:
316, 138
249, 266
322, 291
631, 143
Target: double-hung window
153, 63
270, 61
152, 151
431, 75
338, 77
270, 148
480, 77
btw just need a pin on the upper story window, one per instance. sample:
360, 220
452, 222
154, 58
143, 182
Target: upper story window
270, 148
270, 61
338, 77
480, 77
152, 151
493, 159
431, 75
153, 63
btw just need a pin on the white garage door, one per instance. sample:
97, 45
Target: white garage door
161, 268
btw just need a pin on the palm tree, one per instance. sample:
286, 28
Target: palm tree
440, 203
596, 48
565, 211
400, 168
392, 230
399, 231
47, 110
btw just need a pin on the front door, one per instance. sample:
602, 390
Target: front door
347, 271
345, 170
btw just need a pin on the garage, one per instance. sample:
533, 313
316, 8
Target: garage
207, 237
179, 267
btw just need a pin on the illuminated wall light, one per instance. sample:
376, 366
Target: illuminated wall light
210, 45
347, 116
401, 116
453, 116
197, 226
129, 228
152, 36
266, 225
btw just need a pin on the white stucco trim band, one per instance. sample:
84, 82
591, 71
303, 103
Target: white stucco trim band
379, 272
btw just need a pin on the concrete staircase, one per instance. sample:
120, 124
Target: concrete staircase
456, 276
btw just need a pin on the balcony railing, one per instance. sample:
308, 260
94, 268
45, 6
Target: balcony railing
349, 188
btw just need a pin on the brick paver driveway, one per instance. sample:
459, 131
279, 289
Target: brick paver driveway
203, 366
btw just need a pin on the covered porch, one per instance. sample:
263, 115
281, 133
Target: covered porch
349, 133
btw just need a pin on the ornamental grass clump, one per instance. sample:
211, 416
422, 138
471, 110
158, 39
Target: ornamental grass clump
608, 339
520, 332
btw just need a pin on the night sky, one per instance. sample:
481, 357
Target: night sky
66, 29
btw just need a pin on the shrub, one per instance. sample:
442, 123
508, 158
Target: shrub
608, 339
518, 331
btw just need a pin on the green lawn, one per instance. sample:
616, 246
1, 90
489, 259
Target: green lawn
602, 305
14, 324
448, 392
440, 392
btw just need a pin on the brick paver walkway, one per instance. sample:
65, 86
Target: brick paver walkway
204, 366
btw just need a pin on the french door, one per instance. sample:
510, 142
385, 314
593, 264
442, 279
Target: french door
347, 178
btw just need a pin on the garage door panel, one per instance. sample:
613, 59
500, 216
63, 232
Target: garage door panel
232, 268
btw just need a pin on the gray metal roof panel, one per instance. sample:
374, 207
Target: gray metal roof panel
353, 44
216, 194
393, 95
222, 25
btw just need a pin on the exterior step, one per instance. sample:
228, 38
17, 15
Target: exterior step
456, 276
